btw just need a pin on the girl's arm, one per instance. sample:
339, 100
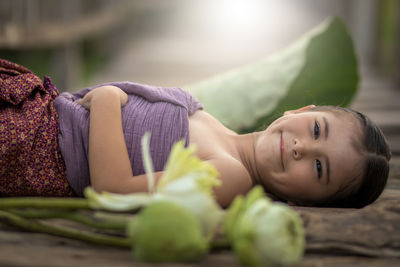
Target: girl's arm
109, 165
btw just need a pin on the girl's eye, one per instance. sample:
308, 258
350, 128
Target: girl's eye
316, 130
319, 168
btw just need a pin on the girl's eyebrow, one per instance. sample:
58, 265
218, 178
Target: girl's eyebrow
326, 128
328, 169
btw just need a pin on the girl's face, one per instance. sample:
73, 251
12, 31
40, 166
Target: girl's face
305, 157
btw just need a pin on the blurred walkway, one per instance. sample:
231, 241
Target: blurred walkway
379, 98
185, 41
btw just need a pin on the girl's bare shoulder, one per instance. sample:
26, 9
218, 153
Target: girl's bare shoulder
235, 179
214, 145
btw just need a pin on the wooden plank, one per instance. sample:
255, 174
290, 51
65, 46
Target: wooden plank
34, 249
334, 236
373, 231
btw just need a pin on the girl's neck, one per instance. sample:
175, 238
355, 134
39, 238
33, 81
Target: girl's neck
245, 152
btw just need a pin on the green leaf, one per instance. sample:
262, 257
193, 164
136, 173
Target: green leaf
320, 68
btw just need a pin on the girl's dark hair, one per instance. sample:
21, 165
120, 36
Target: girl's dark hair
375, 167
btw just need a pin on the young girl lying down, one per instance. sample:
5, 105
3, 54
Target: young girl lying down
54, 145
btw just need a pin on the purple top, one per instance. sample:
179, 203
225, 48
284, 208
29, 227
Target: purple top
162, 111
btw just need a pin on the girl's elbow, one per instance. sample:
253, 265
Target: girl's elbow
124, 185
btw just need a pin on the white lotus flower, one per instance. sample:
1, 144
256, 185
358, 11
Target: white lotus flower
187, 181
116, 202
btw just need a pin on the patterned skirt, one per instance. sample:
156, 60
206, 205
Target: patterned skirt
31, 163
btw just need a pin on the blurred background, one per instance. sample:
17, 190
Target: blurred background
176, 42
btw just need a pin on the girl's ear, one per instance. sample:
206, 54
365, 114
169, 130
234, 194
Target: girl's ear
302, 109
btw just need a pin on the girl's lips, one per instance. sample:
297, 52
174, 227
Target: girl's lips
282, 149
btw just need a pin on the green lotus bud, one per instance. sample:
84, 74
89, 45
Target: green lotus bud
166, 232
202, 205
268, 234
239, 207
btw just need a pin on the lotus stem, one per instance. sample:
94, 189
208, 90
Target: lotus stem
109, 223
34, 226
41, 202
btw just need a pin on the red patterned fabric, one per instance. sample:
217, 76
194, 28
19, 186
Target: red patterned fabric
30, 159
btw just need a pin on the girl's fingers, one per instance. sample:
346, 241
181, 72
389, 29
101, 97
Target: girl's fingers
86, 100
84, 103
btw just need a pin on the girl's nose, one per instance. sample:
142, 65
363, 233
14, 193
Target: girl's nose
298, 149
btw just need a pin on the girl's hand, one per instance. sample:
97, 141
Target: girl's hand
87, 99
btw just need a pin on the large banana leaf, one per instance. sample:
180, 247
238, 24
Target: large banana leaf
320, 68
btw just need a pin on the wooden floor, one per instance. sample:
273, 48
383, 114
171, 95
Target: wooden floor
335, 237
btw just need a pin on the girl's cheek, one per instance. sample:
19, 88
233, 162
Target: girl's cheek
301, 173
